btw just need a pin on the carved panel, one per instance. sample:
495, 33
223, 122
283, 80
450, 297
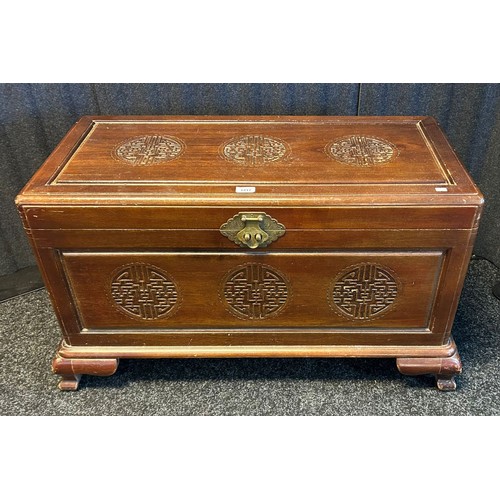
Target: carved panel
364, 291
362, 151
149, 150
144, 291
255, 291
254, 149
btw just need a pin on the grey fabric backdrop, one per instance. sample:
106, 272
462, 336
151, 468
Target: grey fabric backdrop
35, 117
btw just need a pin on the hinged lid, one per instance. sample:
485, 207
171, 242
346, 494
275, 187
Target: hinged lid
253, 160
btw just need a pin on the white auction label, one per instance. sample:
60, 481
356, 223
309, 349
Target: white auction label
245, 189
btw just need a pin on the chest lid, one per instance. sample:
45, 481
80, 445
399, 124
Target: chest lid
250, 159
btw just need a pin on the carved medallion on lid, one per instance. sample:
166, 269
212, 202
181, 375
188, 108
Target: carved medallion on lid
255, 291
144, 291
254, 149
149, 149
362, 151
364, 291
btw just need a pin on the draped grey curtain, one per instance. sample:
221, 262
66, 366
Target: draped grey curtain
35, 117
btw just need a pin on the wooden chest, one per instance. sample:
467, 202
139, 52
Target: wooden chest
253, 236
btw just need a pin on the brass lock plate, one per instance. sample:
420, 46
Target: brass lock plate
252, 229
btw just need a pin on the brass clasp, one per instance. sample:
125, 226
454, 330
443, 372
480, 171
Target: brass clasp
252, 229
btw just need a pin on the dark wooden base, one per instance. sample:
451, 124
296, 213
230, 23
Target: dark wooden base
74, 361
72, 370
444, 369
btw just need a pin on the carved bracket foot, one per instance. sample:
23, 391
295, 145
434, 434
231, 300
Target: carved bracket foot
72, 369
444, 369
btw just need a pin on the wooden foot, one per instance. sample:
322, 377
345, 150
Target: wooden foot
444, 369
72, 369
69, 382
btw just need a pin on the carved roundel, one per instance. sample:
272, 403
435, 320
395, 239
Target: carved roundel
364, 291
255, 291
144, 291
361, 151
254, 149
149, 149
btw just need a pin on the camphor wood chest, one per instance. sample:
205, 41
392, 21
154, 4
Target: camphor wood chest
253, 236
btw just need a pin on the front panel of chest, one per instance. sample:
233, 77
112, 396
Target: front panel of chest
356, 286
233, 290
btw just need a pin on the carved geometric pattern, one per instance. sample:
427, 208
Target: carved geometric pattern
255, 291
361, 150
149, 149
144, 291
364, 291
254, 149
